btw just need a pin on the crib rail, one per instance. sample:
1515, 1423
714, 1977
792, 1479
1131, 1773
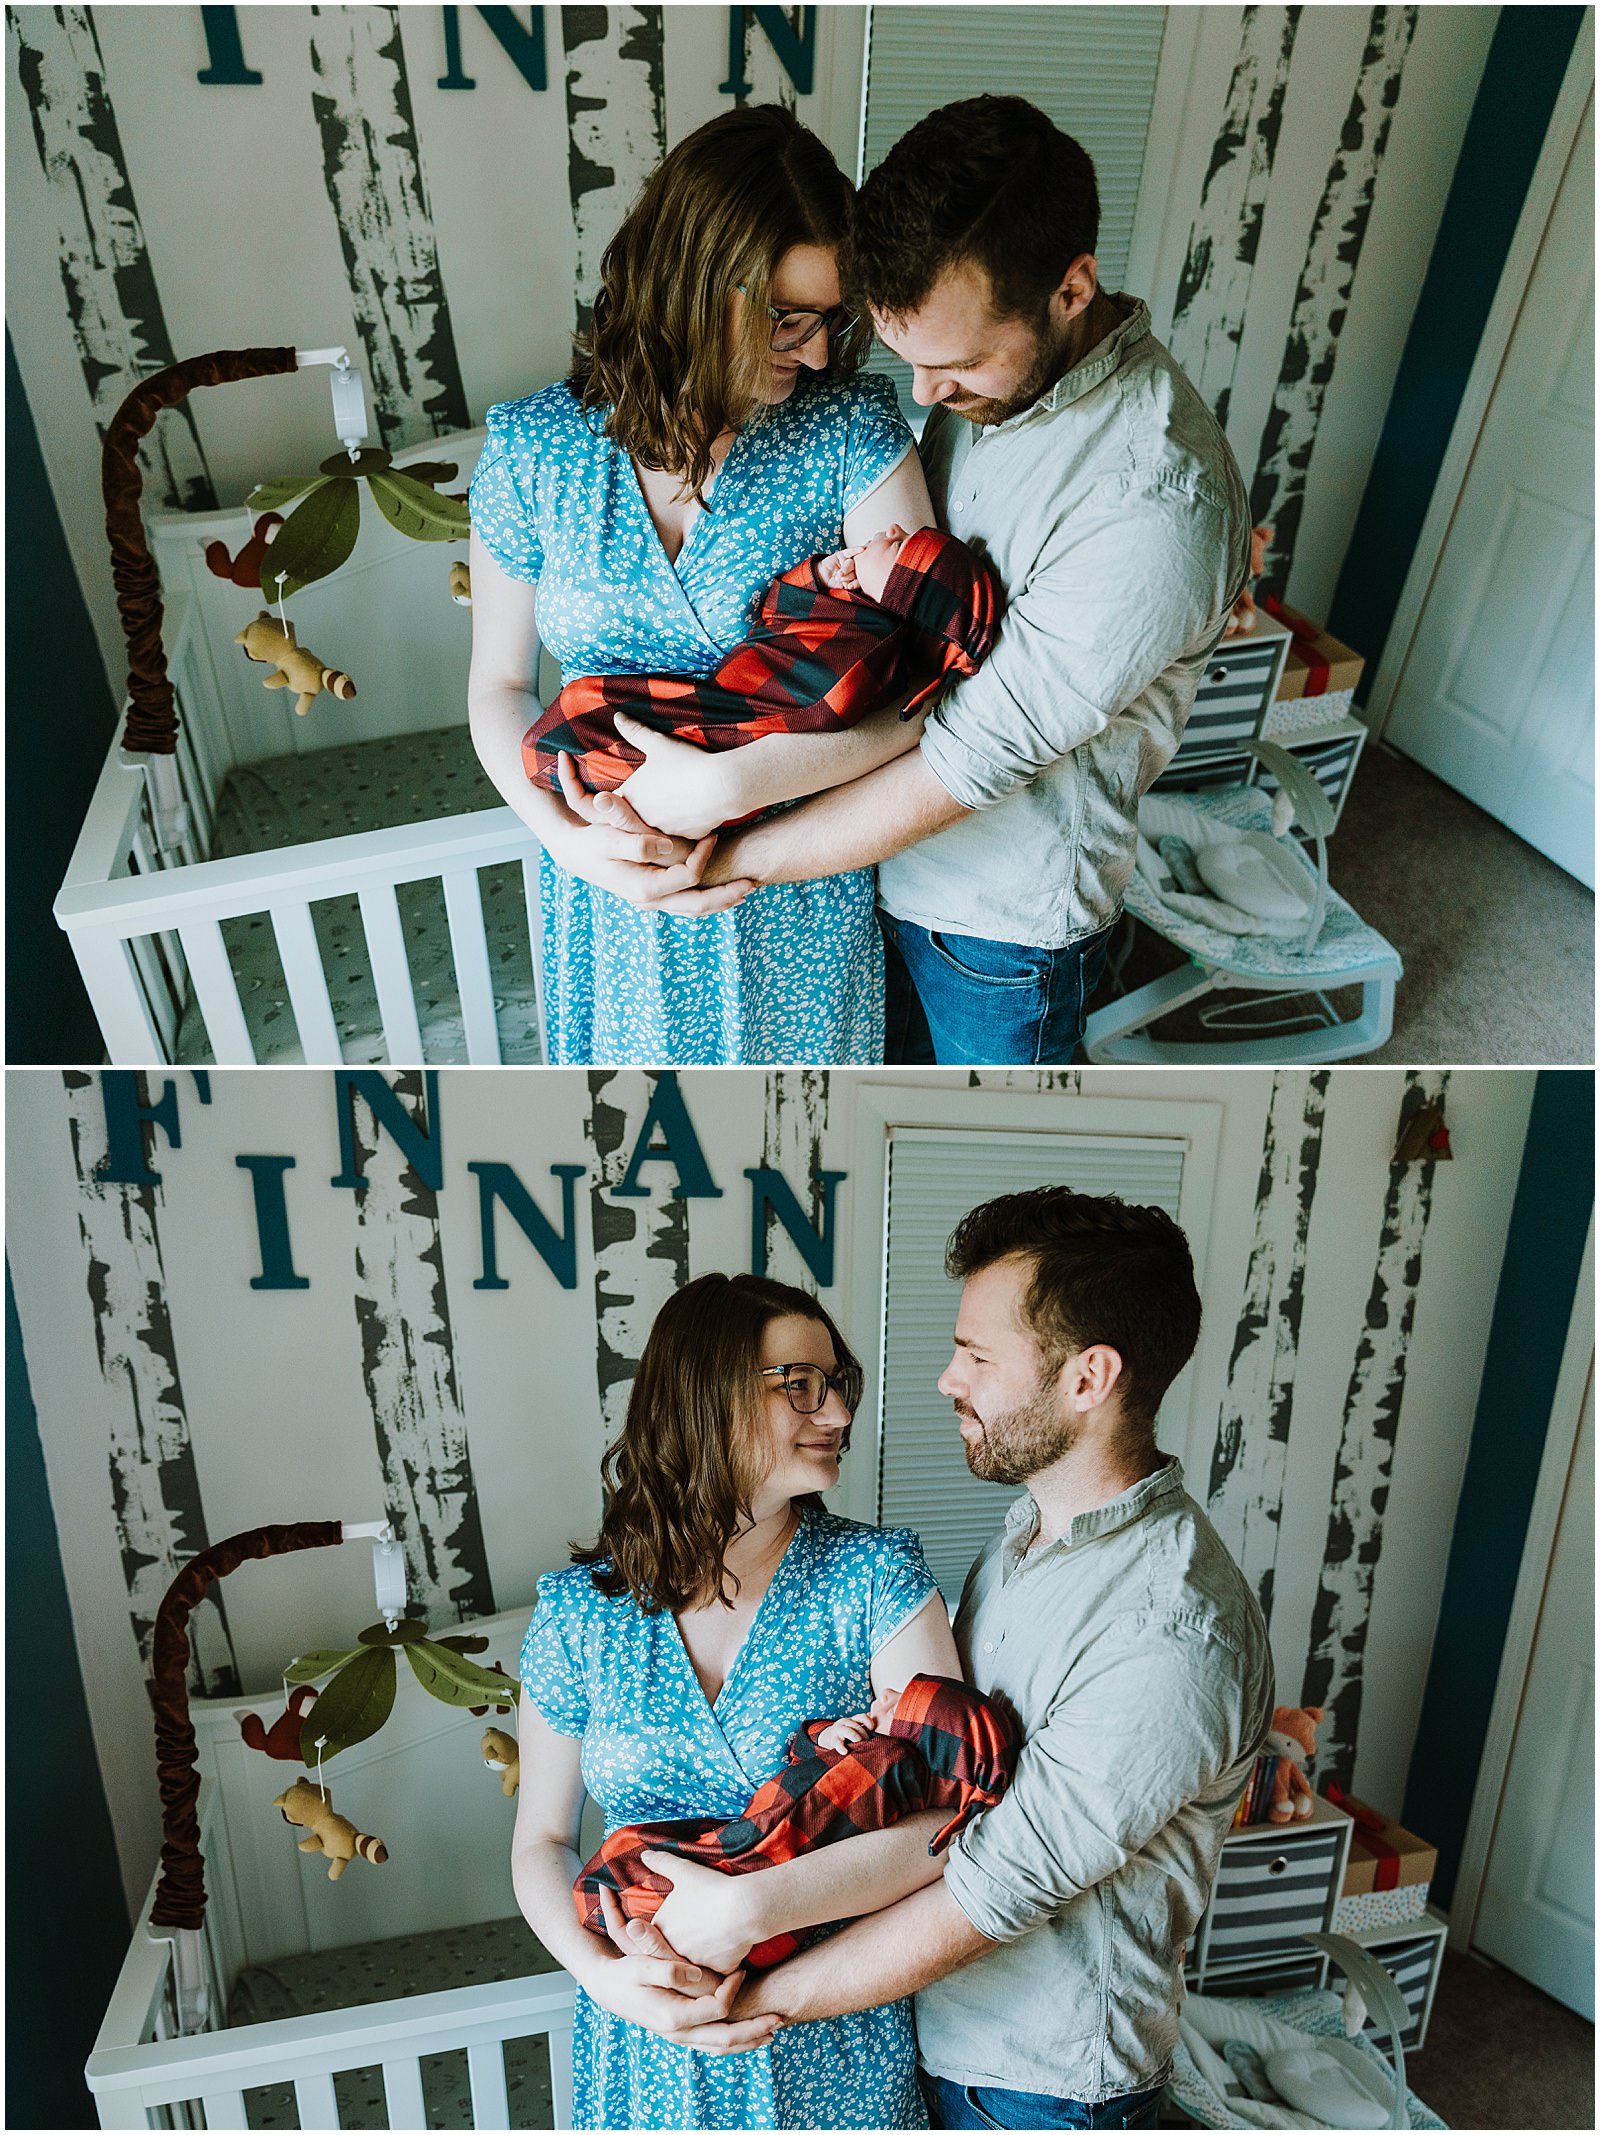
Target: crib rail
141, 930
132, 2084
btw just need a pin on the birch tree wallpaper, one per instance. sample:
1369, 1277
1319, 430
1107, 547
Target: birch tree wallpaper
267, 1296
434, 187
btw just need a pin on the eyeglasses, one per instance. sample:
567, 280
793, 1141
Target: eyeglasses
807, 1385
793, 329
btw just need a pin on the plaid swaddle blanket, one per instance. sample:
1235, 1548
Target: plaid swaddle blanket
945, 1748
815, 660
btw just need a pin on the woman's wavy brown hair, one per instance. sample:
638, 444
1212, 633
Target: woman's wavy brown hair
680, 1479
719, 211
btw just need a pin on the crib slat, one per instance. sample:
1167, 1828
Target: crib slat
386, 948
308, 985
559, 2041
464, 911
120, 1008
530, 896
486, 2073
225, 2109
402, 2094
215, 989
315, 2103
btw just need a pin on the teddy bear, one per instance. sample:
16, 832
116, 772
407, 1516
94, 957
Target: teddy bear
1293, 1741
501, 1755
333, 1835
293, 666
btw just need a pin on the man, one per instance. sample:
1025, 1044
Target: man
1067, 445
1108, 1615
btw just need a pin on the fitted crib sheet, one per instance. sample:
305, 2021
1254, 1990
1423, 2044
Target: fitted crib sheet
329, 793
384, 1971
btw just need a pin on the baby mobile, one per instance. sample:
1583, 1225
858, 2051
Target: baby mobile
283, 554
358, 1697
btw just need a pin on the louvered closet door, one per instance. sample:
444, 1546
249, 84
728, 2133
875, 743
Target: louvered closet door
935, 1176
1092, 69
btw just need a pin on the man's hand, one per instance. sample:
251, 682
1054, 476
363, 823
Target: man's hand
706, 1915
648, 1983
679, 787
601, 837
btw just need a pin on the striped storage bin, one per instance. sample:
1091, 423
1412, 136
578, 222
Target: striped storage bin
1330, 754
1235, 690
1276, 1975
1412, 1956
1272, 1885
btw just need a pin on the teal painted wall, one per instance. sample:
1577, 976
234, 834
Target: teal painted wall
66, 1923
60, 719
1521, 81
1527, 1333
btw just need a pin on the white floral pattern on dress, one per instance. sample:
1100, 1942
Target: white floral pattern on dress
795, 973
653, 1748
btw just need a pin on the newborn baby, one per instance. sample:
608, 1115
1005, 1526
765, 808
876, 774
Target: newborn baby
934, 1745
834, 637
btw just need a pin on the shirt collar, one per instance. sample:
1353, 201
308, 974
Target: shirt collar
1093, 369
1117, 1512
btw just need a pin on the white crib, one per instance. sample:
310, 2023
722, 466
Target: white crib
166, 2055
298, 950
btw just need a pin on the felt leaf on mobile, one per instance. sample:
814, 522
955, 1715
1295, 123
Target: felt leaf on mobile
371, 459
315, 539
416, 511
353, 1706
454, 1680
433, 472
462, 1642
272, 496
306, 1667
405, 1630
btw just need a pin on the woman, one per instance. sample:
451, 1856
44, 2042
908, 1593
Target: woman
664, 1673
713, 432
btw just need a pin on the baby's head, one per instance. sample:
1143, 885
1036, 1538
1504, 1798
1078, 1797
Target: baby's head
877, 559
884, 1703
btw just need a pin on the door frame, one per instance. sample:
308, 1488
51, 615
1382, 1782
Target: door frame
1561, 1436
1577, 88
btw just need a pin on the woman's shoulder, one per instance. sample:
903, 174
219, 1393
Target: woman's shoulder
570, 1592
553, 411
855, 1542
865, 397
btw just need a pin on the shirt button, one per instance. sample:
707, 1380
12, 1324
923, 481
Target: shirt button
988, 1645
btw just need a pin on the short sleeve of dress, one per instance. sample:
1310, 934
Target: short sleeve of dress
877, 439
501, 497
551, 1663
901, 1585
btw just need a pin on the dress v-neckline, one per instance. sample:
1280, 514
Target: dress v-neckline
746, 1644
674, 564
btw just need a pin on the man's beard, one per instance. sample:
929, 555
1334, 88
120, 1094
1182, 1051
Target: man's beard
1017, 1445
1050, 362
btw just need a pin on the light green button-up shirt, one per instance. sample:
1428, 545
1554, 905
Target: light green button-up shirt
1134, 1656
1114, 513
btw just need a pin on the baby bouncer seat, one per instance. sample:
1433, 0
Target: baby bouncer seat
1220, 874
1286, 2061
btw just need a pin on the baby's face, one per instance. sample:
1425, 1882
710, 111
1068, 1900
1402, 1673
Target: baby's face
884, 1703
877, 559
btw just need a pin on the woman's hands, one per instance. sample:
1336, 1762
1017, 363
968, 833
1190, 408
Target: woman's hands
648, 1983
602, 837
679, 788
710, 1917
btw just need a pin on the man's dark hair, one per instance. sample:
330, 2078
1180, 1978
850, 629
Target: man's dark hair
1105, 1270
991, 181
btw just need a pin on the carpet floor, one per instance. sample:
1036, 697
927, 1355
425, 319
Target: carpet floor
1497, 942
1500, 2054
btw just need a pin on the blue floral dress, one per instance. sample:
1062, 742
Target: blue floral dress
795, 973
621, 1680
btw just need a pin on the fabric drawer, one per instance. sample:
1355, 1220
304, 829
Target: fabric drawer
1331, 761
1410, 1964
1193, 774
1278, 1975
1231, 700
1268, 1893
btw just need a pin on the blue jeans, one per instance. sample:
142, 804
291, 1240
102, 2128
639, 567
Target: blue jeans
964, 2105
960, 999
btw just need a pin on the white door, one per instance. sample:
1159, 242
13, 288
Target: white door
1536, 1913
1497, 694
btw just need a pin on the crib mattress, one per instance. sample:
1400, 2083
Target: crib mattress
329, 793
386, 1971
